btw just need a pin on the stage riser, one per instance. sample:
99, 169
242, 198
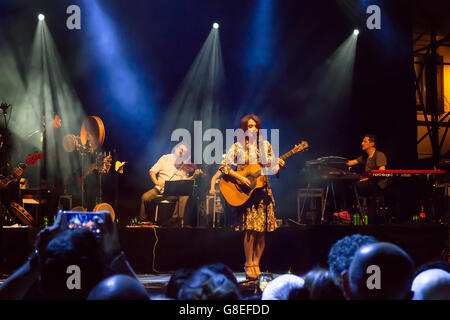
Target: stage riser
294, 248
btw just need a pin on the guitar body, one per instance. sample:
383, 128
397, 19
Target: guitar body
236, 193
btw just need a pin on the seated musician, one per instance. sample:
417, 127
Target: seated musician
168, 168
373, 159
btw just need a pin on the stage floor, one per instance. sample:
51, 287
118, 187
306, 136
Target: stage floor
156, 284
294, 248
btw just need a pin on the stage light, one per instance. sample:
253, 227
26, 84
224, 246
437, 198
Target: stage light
41, 17
356, 32
215, 25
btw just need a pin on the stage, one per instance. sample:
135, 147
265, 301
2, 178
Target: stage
291, 248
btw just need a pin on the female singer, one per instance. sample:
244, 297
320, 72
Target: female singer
257, 215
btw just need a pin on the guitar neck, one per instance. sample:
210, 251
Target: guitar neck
20, 166
11, 177
287, 154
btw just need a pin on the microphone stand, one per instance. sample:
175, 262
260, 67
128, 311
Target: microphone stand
4, 106
4, 138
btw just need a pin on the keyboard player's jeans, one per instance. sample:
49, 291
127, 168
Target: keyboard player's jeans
370, 190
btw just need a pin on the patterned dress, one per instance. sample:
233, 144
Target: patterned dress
258, 213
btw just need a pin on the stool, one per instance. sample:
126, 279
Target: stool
160, 199
209, 205
381, 210
213, 202
305, 193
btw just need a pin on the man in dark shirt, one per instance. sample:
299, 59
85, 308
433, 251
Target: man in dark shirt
372, 160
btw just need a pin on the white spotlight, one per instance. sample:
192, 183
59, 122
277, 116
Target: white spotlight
41, 17
215, 25
356, 32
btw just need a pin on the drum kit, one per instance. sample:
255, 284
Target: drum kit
88, 143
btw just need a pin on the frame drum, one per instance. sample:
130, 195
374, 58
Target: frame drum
105, 206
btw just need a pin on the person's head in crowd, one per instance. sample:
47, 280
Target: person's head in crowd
379, 271
118, 287
435, 264
206, 284
176, 281
223, 269
281, 287
320, 285
251, 297
431, 284
74, 259
341, 254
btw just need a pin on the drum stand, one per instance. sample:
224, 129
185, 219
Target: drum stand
330, 184
355, 191
84, 152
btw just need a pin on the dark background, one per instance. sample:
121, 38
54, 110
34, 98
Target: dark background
160, 39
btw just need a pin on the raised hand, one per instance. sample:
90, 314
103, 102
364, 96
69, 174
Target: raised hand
48, 233
110, 237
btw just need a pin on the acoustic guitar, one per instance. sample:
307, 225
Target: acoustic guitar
236, 193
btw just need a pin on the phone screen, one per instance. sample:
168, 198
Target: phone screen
83, 220
264, 279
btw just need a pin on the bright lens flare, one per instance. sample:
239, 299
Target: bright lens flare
41, 17
215, 25
356, 32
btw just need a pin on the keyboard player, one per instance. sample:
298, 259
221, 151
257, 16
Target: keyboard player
372, 159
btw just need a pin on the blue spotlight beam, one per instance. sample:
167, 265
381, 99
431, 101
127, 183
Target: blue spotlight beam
259, 58
124, 88
261, 37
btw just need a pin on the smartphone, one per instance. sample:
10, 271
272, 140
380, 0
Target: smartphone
82, 220
263, 279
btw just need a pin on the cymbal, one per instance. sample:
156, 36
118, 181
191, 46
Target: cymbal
93, 131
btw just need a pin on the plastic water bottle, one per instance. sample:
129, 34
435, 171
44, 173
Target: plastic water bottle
356, 220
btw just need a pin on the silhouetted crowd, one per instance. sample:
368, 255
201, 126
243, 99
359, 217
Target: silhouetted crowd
79, 265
